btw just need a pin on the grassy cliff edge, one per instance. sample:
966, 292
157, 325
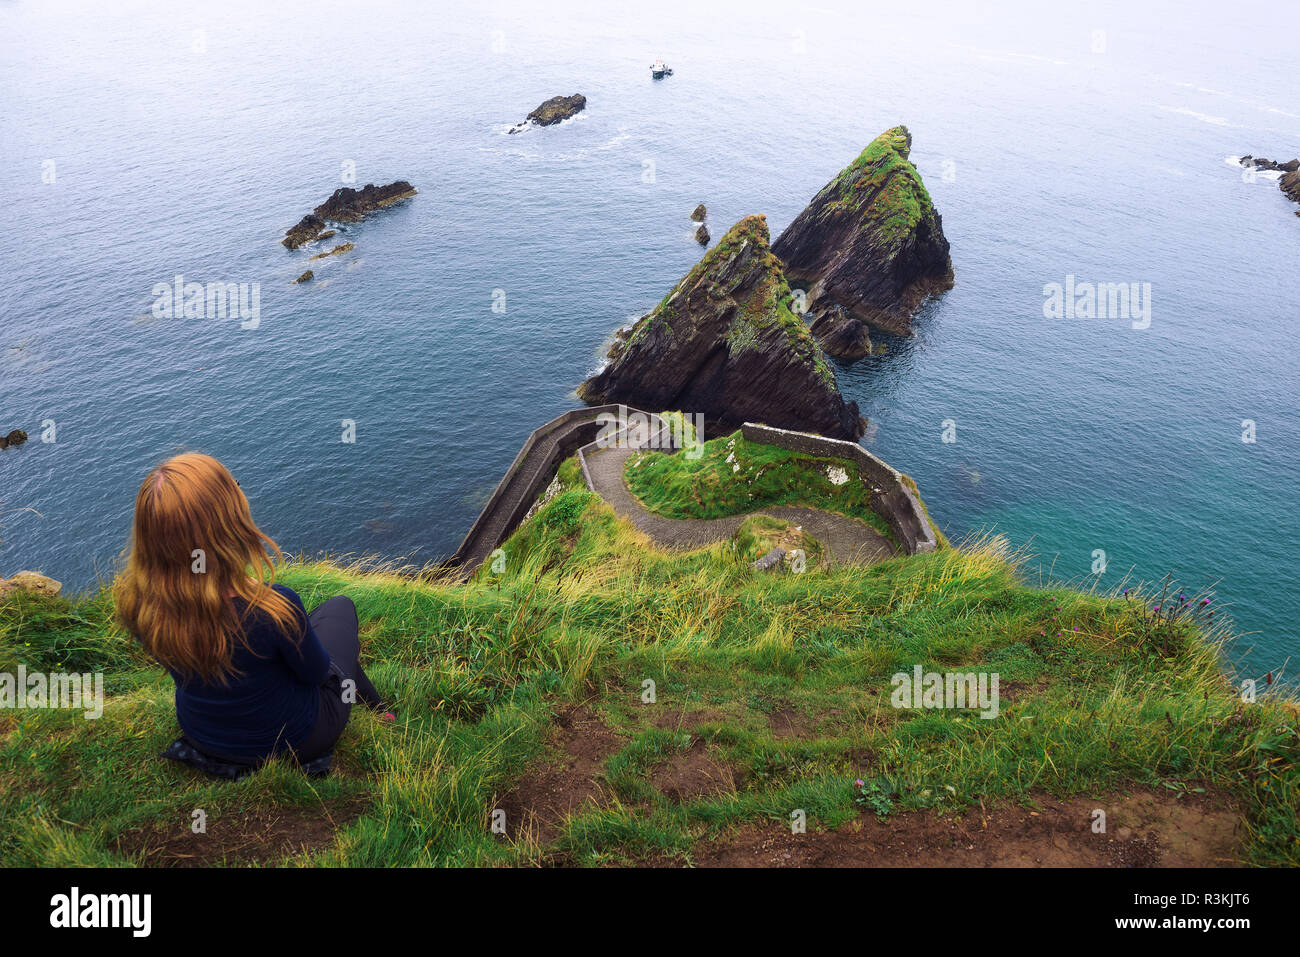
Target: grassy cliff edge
527, 691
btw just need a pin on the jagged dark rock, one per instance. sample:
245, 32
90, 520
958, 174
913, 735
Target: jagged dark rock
724, 343
556, 110
345, 205
16, 437
871, 240
1290, 184
699, 213
702, 235
309, 228
840, 334
306, 277
1259, 162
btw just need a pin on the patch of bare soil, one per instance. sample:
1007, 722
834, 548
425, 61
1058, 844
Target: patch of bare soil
788, 723
1009, 692
254, 836
1143, 829
692, 775
563, 782
862, 759
690, 720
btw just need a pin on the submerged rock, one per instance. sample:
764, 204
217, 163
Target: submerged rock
871, 240
555, 110
341, 248
725, 343
702, 235
345, 205
699, 213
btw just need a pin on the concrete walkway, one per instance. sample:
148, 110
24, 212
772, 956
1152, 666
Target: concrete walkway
845, 540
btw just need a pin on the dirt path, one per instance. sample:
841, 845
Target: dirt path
1144, 829
846, 540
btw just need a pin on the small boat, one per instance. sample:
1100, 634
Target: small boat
658, 70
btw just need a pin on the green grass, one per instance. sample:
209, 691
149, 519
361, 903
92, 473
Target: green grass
762, 308
585, 612
733, 476
882, 182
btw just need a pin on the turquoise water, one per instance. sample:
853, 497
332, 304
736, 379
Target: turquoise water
187, 142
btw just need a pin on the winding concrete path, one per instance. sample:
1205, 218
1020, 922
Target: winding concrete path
845, 540
533, 468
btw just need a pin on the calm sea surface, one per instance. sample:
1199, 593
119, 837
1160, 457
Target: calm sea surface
1088, 142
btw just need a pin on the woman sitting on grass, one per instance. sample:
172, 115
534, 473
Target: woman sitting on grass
255, 674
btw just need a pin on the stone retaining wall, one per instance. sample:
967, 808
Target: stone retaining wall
893, 500
575, 431
510, 502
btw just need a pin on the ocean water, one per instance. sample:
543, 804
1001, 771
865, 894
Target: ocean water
139, 141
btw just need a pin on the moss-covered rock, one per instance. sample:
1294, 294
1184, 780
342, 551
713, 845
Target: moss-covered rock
870, 242
725, 343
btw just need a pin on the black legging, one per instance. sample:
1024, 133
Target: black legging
335, 623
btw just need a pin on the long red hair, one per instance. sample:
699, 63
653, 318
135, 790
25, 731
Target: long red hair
194, 548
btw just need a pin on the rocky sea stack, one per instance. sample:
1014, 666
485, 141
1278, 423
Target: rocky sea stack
871, 243
346, 205
725, 343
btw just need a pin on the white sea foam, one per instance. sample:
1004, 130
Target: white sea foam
1008, 56
1203, 117
1269, 174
